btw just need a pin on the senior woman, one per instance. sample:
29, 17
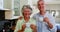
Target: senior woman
26, 24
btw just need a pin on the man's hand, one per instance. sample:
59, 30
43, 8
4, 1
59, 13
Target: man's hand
48, 22
46, 19
33, 27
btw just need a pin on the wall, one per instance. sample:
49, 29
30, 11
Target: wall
54, 7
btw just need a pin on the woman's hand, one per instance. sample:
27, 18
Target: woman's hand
33, 27
23, 27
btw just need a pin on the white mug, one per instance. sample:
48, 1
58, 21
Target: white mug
40, 18
28, 25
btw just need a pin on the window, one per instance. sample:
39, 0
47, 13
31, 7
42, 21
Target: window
16, 7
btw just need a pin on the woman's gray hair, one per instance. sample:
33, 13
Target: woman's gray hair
26, 6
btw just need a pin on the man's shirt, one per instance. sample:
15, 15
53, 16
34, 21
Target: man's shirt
42, 26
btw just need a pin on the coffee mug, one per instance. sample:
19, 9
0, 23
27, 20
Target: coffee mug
40, 18
27, 25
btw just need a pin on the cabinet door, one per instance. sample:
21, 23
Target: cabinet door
2, 15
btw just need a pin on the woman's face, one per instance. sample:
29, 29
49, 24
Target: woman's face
26, 12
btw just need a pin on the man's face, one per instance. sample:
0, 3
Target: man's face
41, 6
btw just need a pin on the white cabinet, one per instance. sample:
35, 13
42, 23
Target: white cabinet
1, 4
